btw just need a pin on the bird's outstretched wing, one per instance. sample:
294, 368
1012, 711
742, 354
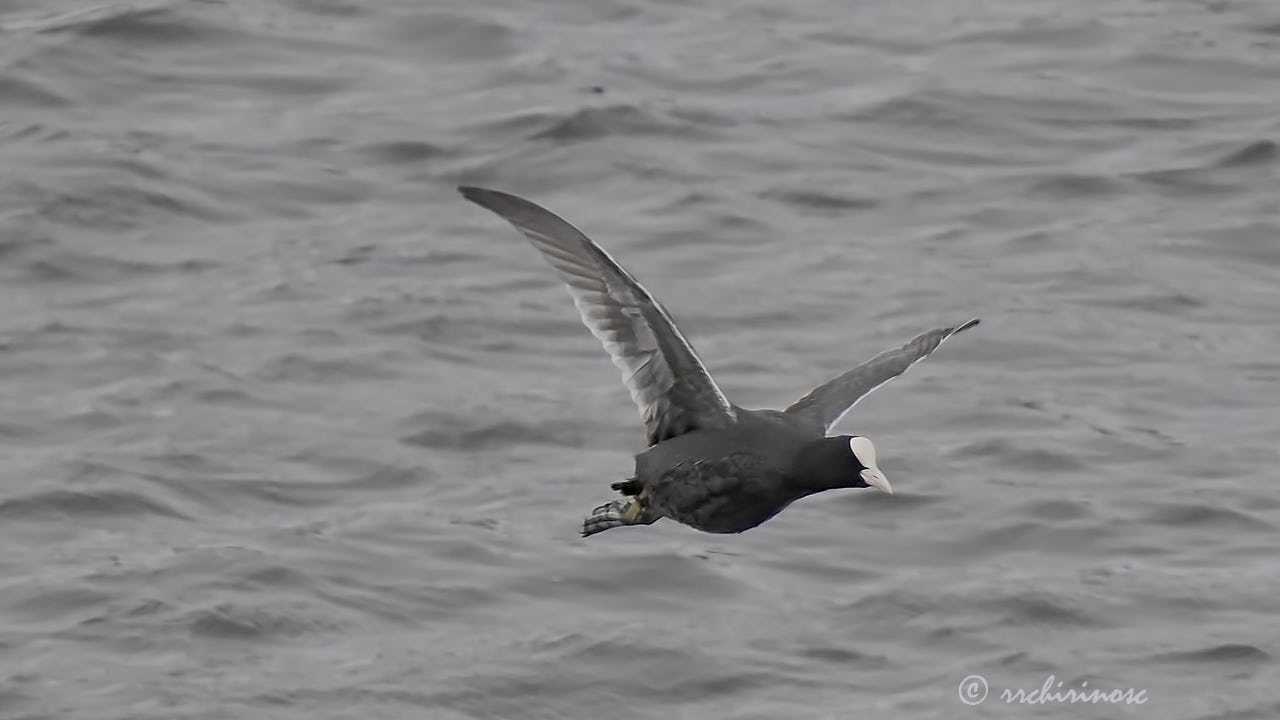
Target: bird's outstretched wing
667, 381
827, 403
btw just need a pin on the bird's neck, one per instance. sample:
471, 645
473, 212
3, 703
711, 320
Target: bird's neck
823, 465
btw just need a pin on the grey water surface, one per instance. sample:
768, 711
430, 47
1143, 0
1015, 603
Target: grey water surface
290, 430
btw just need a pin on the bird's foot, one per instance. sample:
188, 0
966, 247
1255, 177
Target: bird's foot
624, 511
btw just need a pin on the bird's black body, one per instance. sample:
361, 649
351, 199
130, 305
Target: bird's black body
728, 481
710, 465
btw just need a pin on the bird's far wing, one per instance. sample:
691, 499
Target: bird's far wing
827, 403
667, 381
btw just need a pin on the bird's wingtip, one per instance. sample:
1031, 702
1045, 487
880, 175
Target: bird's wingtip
966, 325
488, 197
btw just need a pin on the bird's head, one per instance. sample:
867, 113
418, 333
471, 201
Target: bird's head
845, 461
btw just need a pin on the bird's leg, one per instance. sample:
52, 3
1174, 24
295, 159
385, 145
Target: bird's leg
634, 512
630, 486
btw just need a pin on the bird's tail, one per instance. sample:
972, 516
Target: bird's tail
623, 511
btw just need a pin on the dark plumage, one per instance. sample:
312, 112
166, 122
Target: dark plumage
710, 464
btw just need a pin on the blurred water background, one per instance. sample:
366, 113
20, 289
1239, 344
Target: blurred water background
291, 431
